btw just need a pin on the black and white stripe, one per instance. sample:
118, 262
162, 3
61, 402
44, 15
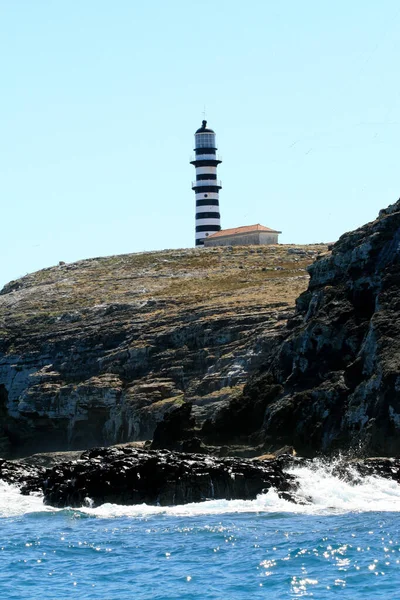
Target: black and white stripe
206, 186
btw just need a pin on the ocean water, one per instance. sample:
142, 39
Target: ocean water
344, 543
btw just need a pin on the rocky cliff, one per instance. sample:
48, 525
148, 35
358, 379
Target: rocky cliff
97, 352
334, 383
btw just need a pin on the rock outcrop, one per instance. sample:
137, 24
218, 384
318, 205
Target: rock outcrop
129, 475
335, 380
126, 475
97, 352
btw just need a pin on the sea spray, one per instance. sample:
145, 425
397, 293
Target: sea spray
15, 504
323, 489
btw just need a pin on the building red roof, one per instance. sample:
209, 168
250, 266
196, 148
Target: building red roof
241, 230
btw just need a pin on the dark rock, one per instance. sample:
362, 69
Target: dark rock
29, 476
127, 475
176, 427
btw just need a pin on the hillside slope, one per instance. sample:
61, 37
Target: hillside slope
96, 352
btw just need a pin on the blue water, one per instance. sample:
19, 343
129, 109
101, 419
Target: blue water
345, 543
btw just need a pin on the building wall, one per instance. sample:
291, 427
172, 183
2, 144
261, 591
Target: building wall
268, 238
245, 239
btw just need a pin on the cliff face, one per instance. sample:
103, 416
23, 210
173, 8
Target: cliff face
335, 381
96, 352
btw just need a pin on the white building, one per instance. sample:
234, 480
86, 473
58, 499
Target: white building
243, 236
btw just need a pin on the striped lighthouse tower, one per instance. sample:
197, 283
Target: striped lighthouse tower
206, 187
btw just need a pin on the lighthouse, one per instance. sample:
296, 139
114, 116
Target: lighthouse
206, 187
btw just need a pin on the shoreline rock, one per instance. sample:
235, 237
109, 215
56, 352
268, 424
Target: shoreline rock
128, 475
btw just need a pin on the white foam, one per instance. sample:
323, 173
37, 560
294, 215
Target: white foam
320, 491
269, 502
14, 504
327, 492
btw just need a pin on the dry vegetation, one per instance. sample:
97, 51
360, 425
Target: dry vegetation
233, 278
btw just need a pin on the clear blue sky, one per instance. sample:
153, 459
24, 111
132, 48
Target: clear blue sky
99, 101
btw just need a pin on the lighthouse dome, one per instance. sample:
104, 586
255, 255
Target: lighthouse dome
204, 128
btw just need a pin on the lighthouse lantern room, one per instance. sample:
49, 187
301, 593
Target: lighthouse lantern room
206, 187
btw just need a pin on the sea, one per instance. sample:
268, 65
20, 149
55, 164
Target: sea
342, 542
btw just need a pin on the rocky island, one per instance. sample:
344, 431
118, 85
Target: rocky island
217, 353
